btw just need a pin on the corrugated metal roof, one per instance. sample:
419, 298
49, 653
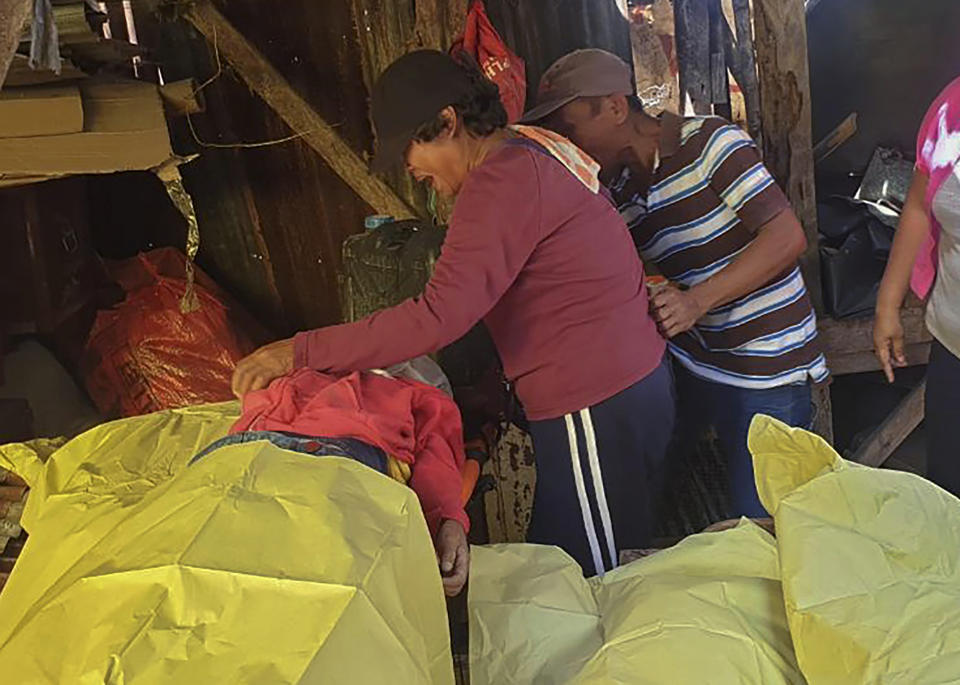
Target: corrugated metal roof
542, 31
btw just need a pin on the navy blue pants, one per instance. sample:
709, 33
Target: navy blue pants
728, 410
600, 472
942, 414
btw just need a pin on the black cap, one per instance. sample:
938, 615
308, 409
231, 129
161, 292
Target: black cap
410, 93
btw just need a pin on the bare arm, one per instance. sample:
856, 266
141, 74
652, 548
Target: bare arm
778, 245
911, 233
741, 181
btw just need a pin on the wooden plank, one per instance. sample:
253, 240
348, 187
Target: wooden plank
894, 430
693, 55
296, 113
14, 15
845, 363
746, 73
837, 137
719, 76
785, 112
848, 343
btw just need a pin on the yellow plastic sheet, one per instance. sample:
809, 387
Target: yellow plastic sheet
869, 563
706, 611
860, 586
254, 565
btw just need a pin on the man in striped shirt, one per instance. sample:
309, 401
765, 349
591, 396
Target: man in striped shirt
705, 212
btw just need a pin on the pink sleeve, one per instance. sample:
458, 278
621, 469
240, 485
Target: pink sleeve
495, 227
927, 135
925, 268
436, 476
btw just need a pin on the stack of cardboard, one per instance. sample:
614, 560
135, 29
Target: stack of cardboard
21, 75
90, 128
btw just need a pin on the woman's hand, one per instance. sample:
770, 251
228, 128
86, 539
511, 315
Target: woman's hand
263, 366
453, 553
888, 340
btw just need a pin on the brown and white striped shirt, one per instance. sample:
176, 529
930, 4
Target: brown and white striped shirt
709, 195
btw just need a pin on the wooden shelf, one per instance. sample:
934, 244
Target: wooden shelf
848, 344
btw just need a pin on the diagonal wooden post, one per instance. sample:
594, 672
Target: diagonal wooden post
13, 17
269, 84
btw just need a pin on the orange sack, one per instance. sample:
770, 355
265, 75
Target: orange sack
144, 355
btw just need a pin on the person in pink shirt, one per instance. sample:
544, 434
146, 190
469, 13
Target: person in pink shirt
537, 251
926, 257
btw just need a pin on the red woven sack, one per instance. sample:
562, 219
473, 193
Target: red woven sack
145, 355
482, 42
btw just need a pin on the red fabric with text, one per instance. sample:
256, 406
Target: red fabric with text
482, 42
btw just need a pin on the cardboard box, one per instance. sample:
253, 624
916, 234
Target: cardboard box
21, 74
40, 111
124, 129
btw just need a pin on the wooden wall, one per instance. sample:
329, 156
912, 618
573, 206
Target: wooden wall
272, 218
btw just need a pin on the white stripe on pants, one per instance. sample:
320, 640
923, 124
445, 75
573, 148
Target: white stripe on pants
599, 493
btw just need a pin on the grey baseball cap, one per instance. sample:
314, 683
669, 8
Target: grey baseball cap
583, 73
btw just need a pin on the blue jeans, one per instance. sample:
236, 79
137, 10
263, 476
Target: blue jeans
728, 410
374, 457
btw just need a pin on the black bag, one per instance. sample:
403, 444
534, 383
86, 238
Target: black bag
853, 255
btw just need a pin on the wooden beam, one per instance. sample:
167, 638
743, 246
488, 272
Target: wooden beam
693, 54
14, 15
785, 112
894, 430
296, 113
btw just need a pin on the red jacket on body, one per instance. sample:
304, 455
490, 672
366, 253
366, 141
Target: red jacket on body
411, 422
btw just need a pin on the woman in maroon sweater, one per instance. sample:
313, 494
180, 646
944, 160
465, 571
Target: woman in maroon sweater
542, 257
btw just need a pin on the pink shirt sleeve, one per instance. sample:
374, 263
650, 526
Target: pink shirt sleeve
942, 119
494, 229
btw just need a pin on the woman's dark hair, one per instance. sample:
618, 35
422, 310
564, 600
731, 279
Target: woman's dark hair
480, 110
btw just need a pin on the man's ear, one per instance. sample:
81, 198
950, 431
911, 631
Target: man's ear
451, 121
618, 107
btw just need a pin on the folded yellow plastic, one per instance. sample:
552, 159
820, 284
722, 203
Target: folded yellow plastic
869, 562
706, 610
